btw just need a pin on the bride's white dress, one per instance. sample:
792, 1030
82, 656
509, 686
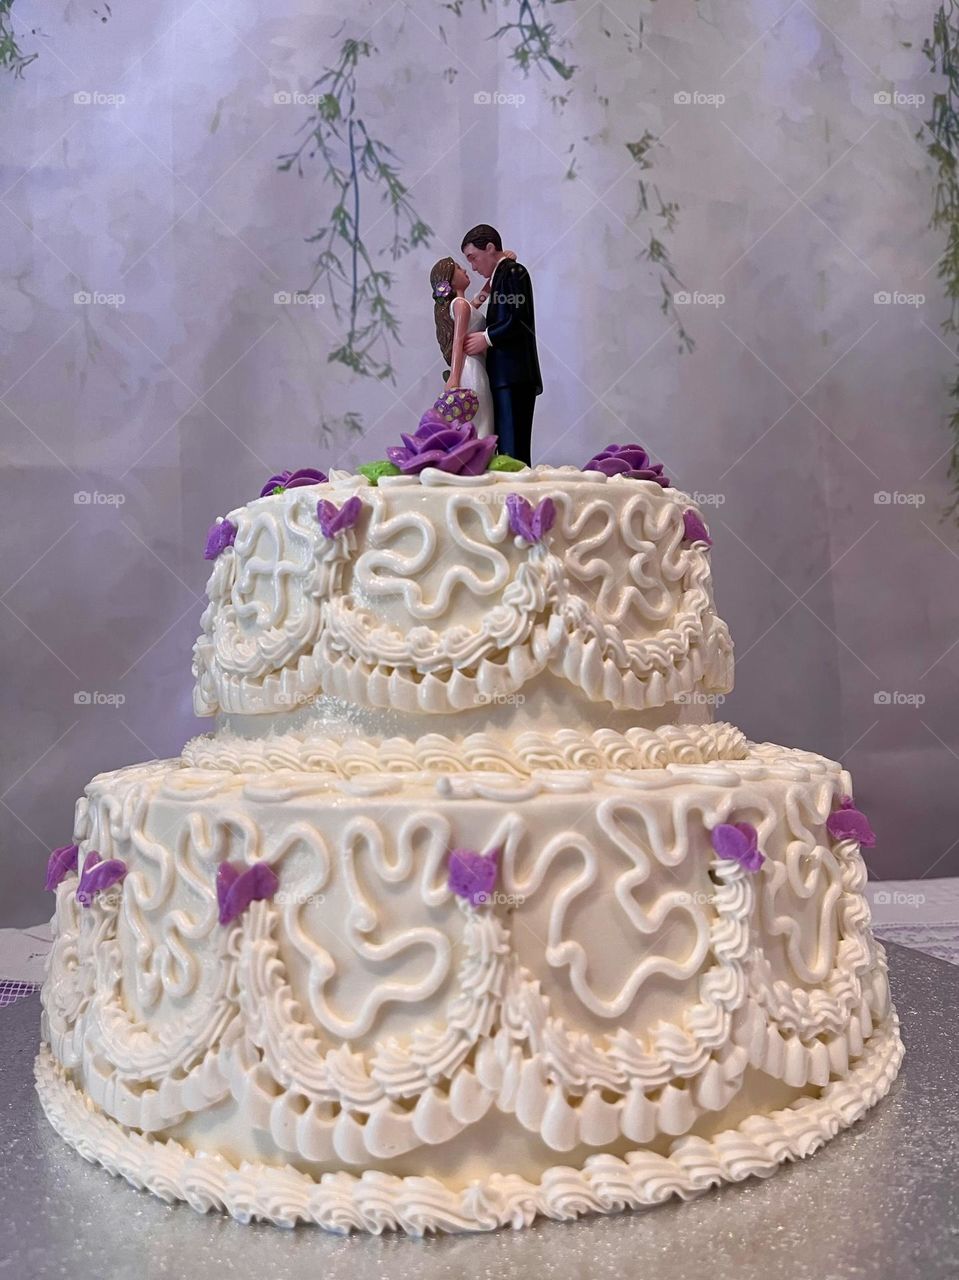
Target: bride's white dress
474, 375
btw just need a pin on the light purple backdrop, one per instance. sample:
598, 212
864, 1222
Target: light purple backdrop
138, 168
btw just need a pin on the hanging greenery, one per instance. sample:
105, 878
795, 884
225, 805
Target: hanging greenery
656, 252
534, 32
358, 167
12, 57
942, 144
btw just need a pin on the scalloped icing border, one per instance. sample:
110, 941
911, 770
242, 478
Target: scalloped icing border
376, 1202
334, 649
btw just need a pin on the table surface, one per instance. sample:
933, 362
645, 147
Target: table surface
881, 1201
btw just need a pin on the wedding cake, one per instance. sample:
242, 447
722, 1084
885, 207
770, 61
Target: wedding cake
468, 910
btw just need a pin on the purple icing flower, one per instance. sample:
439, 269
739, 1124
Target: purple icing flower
97, 875
442, 289
236, 889
473, 875
59, 865
284, 480
629, 460
436, 443
222, 535
694, 528
459, 405
849, 823
527, 522
334, 520
739, 842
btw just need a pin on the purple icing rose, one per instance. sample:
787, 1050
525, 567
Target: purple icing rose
59, 865
334, 520
629, 460
236, 889
738, 841
472, 875
849, 823
436, 443
222, 535
694, 528
459, 405
527, 522
98, 875
284, 480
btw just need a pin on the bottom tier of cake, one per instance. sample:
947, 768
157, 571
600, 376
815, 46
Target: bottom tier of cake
455, 994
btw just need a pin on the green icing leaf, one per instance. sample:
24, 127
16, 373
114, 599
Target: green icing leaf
373, 470
503, 462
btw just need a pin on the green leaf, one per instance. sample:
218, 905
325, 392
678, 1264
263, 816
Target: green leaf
373, 470
503, 462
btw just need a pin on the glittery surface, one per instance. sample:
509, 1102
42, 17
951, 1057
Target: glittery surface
880, 1202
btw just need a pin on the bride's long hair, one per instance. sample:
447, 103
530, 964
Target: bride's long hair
442, 315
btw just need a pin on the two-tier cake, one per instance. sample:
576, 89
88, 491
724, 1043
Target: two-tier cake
467, 911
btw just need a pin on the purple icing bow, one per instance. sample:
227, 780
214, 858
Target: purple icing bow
629, 460
437, 443
98, 875
236, 889
739, 842
472, 875
334, 520
59, 865
527, 522
694, 528
284, 480
222, 535
849, 823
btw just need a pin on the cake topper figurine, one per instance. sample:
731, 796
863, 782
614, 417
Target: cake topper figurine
490, 343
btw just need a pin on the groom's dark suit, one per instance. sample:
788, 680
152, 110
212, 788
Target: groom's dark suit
511, 361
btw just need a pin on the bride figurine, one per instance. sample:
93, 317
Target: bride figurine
455, 317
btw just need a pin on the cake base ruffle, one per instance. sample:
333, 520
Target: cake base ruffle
377, 1202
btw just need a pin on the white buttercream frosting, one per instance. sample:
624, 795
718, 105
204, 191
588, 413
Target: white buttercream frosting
431, 605
377, 1202
624, 1017
366, 1016
519, 754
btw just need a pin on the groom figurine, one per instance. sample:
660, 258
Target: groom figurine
508, 342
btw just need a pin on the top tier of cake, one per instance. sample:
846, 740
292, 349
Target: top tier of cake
416, 603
